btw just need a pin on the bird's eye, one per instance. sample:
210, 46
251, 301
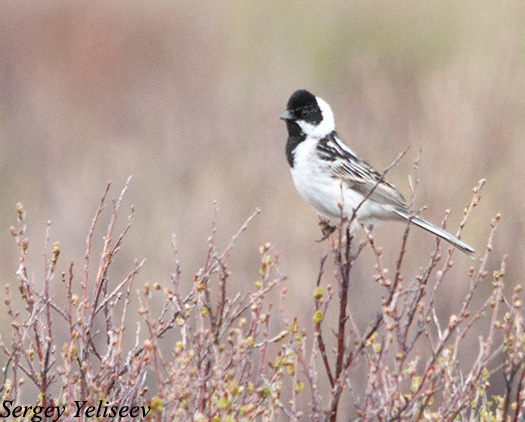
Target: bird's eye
304, 113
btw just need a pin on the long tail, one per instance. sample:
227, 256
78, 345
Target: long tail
453, 240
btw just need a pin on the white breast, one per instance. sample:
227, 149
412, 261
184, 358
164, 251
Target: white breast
313, 180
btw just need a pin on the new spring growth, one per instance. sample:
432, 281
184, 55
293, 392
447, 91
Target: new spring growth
318, 293
318, 317
56, 253
20, 211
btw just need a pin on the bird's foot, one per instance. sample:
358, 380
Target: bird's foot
326, 229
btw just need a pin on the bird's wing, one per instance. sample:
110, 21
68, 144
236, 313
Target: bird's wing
382, 193
358, 175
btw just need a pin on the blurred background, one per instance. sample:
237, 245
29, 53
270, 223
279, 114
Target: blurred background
185, 97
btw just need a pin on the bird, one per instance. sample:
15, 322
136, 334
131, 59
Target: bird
334, 180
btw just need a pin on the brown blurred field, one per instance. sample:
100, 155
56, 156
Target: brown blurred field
185, 97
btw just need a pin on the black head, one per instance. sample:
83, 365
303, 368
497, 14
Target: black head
303, 106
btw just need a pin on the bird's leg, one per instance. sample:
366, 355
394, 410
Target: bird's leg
326, 228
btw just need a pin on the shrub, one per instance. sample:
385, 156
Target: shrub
209, 355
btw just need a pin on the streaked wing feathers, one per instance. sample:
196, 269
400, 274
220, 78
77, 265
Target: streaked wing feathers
384, 193
357, 173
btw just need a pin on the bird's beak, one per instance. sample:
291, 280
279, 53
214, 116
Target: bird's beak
286, 116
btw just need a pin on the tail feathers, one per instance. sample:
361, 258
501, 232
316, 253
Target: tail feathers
453, 240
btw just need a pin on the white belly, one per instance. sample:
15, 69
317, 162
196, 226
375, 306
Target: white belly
312, 180
326, 194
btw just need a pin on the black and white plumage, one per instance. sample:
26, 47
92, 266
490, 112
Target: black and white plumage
327, 173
